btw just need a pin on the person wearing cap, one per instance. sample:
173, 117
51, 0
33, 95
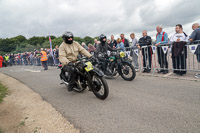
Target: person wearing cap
68, 53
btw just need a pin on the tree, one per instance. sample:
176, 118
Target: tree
27, 48
20, 44
78, 39
88, 40
7, 45
57, 41
36, 40
20, 38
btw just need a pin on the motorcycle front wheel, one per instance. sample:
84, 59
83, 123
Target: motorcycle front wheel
100, 87
127, 71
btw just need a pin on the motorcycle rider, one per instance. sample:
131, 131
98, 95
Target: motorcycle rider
68, 53
103, 48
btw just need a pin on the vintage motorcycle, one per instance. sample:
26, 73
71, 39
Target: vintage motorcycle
88, 76
117, 62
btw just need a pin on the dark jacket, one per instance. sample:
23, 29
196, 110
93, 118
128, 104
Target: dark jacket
178, 49
145, 41
103, 48
57, 53
113, 43
126, 42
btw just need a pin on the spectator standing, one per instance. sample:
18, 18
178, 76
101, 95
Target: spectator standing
44, 59
113, 42
120, 45
133, 48
1, 61
56, 55
84, 45
125, 42
95, 43
146, 51
179, 50
195, 37
91, 49
161, 39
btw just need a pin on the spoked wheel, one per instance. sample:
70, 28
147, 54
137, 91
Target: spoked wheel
127, 71
100, 87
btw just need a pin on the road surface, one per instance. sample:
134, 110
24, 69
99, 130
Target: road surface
147, 104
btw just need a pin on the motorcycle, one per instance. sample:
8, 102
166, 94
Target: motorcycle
87, 76
117, 62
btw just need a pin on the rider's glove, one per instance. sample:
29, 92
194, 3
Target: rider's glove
92, 58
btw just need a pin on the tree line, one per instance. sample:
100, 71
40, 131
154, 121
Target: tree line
20, 43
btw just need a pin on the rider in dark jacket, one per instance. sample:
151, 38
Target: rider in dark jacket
103, 48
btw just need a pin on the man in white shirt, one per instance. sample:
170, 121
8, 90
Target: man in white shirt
179, 50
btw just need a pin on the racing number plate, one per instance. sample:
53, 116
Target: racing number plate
89, 66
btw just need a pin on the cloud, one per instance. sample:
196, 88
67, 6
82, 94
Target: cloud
93, 17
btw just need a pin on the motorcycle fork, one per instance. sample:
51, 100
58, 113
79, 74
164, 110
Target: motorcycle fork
89, 80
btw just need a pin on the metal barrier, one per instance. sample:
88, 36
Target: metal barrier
164, 58
152, 58
34, 60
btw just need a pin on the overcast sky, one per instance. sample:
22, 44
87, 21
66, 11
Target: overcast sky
93, 17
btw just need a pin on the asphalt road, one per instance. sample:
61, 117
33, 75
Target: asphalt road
147, 104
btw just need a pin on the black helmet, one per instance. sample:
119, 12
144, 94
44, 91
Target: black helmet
66, 35
101, 37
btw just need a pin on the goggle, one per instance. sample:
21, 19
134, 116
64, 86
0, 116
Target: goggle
70, 37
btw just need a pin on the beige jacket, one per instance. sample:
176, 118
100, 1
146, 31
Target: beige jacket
69, 52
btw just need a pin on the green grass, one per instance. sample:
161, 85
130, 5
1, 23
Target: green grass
1, 131
3, 92
22, 123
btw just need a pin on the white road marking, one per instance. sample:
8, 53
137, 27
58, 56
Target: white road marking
168, 74
35, 71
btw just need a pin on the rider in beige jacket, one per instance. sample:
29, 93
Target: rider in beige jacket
68, 54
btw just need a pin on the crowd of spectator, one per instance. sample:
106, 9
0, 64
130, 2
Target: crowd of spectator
177, 43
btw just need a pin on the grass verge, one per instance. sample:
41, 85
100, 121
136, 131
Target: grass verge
3, 92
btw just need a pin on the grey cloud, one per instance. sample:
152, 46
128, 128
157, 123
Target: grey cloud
91, 17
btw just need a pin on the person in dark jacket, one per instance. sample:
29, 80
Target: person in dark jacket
57, 55
144, 43
179, 50
125, 41
113, 42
